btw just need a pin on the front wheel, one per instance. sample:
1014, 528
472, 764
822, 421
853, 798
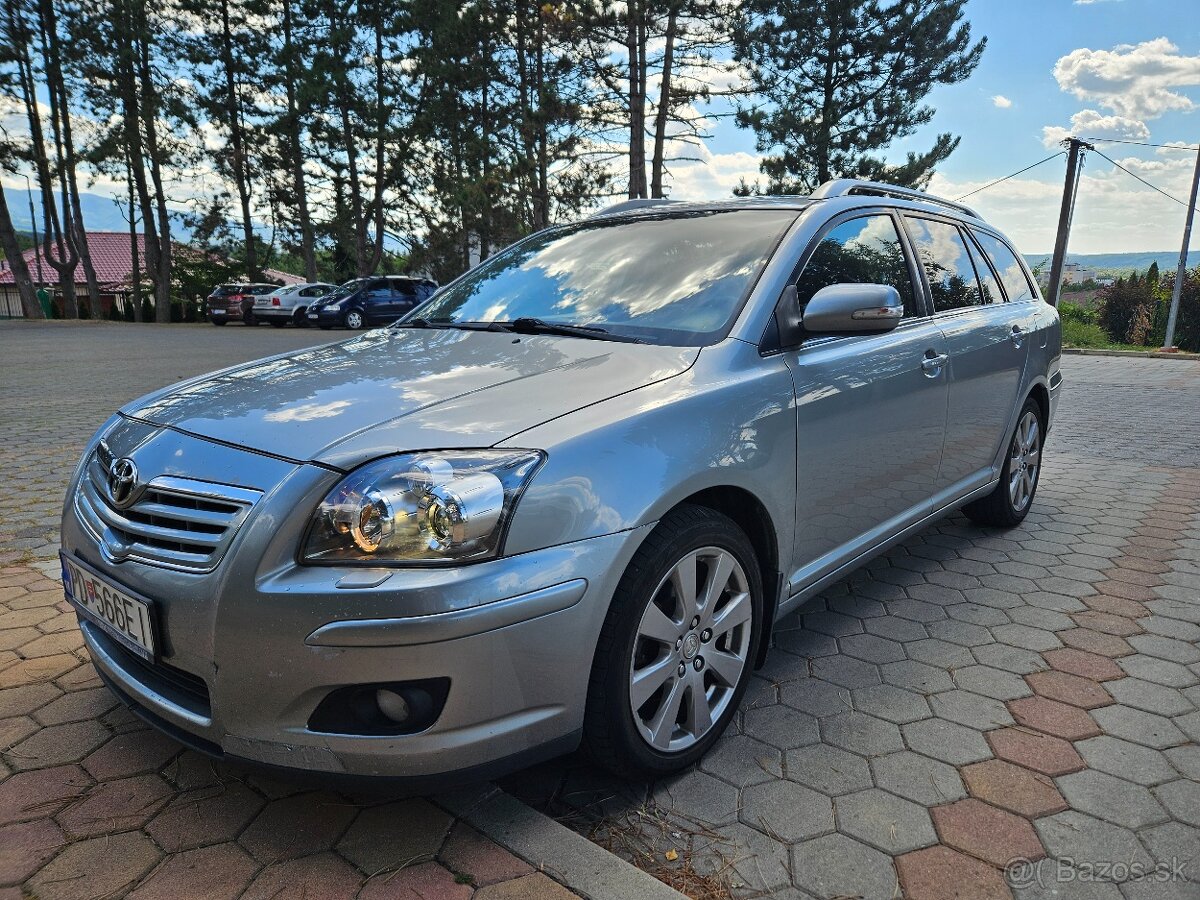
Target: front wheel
677, 647
300, 318
1009, 503
355, 320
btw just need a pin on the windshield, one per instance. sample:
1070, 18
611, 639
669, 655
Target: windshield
350, 287
666, 279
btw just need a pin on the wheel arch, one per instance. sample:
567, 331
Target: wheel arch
751, 515
1041, 396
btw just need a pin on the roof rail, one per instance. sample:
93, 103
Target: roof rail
629, 206
843, 187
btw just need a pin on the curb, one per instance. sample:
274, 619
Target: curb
1143, 354
551, 847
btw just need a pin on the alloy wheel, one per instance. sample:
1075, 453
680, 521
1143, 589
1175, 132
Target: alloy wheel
1024, 461
691, 649
354, 320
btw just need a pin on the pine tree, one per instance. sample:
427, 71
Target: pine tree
836, 83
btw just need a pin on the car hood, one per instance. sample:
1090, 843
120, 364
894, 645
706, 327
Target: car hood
405, 389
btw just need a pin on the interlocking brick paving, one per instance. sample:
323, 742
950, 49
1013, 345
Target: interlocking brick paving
878, 708
1050, 674
92, 803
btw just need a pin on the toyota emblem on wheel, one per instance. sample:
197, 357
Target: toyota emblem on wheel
122, 478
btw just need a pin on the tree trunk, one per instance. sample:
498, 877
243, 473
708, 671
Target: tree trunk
56, 85
162, 284
664, 106
135, 270
16, 261
381, 119
237, 142
635, 46
296, 150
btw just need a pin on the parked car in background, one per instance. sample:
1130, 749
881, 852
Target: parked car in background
568, 497
289, 303
378, 300
231, 302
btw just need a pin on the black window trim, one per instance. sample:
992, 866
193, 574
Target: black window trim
974, 248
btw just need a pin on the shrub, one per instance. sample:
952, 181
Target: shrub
1126, 310
1187, 325
1073, 312
1083, 334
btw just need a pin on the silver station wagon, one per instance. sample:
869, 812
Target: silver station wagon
565, 499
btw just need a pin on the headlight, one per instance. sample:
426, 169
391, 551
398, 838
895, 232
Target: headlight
421, 508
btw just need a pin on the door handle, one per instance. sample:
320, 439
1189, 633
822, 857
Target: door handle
933, 362
1017, 336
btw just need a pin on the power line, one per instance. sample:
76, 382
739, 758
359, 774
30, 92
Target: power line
1143, 180
1142, 144
1013, 175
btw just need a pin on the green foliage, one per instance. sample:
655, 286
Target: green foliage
836, 83
1073, 312
1187, 326
1076, 333
1126, 309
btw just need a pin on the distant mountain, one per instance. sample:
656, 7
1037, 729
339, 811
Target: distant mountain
1120, 263
100, 213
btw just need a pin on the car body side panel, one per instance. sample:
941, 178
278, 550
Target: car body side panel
622, 463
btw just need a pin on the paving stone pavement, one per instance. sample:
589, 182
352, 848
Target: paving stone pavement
971, 698
978, 713
92, 803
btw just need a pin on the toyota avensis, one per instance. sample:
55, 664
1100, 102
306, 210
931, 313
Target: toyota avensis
565, 498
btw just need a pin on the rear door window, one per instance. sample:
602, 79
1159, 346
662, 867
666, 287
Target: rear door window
987, 278
947, 263
864, 250
1012, 273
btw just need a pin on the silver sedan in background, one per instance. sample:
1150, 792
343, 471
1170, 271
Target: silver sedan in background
566, 498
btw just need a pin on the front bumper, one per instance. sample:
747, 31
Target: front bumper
325, 316
251, 648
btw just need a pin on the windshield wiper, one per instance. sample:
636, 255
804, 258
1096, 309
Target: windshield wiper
529, 325
419, 322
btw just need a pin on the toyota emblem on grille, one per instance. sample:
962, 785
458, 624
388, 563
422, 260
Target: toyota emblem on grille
122, 478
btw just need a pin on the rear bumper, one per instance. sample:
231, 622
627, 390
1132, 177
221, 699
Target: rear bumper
267, 313
226, 313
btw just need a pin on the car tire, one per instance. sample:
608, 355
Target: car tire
1009, 503
248, 319
278, 323
326, 327
354, 320
299, 318
626, 740
219, 322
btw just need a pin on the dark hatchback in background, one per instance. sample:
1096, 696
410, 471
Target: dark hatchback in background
232, 301
370, 301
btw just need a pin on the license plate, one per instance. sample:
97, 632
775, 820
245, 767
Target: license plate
312, 315
124, 617
217, 312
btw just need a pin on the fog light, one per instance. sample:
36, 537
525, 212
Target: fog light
392, 705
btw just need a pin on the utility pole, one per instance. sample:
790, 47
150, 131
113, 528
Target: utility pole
1169, 341
1075, 148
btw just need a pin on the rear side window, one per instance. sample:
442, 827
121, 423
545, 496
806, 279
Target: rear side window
866, 250
987, 278
1012, 273
947, 264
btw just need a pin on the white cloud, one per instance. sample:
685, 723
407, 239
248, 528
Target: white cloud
1113, 213
714, 176
1093, 124
1140, 81
1001, 101
1091, 2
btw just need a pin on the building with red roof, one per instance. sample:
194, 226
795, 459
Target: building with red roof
112, 257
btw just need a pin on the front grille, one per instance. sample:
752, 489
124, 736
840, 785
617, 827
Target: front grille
179, 523
180, 687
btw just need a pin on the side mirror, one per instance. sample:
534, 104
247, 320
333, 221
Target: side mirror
842, 308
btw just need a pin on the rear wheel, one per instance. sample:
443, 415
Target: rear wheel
248, 318
218, 322
1009, 503
677, 647
278, 323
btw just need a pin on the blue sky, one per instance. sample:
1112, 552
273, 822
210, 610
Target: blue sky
1026, 40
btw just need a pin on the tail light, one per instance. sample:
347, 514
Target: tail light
275, 301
